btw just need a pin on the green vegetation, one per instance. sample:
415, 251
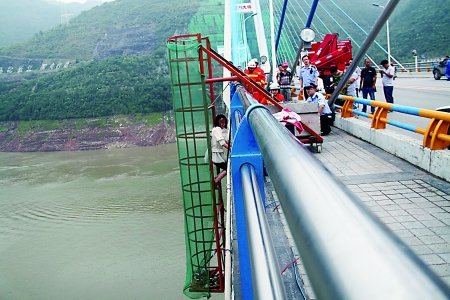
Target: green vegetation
34, 16
420, 25
79, 39
98, 85
209, 22
119, 50
120, 85
150, 119
26, 127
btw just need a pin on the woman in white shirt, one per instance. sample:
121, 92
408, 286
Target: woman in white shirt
220, 146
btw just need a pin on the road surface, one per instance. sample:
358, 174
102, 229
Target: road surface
417, 92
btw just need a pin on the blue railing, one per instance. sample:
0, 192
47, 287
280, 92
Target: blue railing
347, 252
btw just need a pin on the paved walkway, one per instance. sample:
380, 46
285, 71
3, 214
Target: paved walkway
412, 203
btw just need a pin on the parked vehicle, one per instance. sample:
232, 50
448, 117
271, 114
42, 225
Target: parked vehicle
438, 70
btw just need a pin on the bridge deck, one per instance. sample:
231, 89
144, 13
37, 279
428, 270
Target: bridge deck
412, 203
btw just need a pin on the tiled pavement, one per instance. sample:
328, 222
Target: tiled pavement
412, 203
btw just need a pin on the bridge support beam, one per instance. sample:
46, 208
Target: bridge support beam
245, 150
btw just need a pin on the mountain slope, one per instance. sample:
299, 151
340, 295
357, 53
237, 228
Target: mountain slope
120, 67
117, 53
420, 25
117, 22
21, 19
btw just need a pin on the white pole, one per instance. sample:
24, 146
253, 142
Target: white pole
387, 37
227, 50
245, 43
388, 42
245, 37
261, 36
272, 37
415, 60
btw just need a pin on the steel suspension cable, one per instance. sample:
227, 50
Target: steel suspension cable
317, 16
365, 32
282, 47
285, 41
347, 33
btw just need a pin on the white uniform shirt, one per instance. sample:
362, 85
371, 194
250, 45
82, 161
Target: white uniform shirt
385, 79
308, 75
351, 90
320, 99
219, 137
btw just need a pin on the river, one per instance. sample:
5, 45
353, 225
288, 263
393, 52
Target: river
103, 224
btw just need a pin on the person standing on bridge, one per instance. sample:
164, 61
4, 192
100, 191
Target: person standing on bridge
308, 74
358, 72
257, 75
387, 78
284, 78
367, 83
352, 86
326, 115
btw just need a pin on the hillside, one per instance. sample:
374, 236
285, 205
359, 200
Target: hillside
116, 58
118, 27
111, 59
419, 25
21, 19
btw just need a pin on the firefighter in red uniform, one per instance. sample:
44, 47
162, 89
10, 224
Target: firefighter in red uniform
258, 69
275, 91
258, 76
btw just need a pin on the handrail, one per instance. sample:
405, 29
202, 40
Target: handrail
347, 252
435, 135
267, 283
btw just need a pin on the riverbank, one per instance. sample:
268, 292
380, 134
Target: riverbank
87, 134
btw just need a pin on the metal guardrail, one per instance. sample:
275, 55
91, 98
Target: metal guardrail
435, 136
267, 279
347, 252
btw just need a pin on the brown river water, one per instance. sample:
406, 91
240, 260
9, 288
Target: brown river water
105, 224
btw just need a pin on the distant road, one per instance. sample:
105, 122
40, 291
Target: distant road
420, 92
417, 92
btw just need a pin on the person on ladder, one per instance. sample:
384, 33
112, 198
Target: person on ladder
220, 146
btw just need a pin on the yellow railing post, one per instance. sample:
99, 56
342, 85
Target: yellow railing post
347, 107
379, 114
431, 137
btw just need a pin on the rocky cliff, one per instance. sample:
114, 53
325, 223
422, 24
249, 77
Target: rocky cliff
88, 138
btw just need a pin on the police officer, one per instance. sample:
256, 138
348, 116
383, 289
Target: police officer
308, 74
326, 115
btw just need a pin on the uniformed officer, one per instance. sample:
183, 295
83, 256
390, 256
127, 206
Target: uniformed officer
308, 74
326, 115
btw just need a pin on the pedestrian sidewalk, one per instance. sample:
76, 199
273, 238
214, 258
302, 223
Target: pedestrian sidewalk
412, 203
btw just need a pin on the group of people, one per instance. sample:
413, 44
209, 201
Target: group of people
312, 89
361, 81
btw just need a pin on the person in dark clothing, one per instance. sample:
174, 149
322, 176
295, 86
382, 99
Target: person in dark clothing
368, 81
284, 78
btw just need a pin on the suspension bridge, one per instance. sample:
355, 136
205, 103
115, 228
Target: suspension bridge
365, 217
